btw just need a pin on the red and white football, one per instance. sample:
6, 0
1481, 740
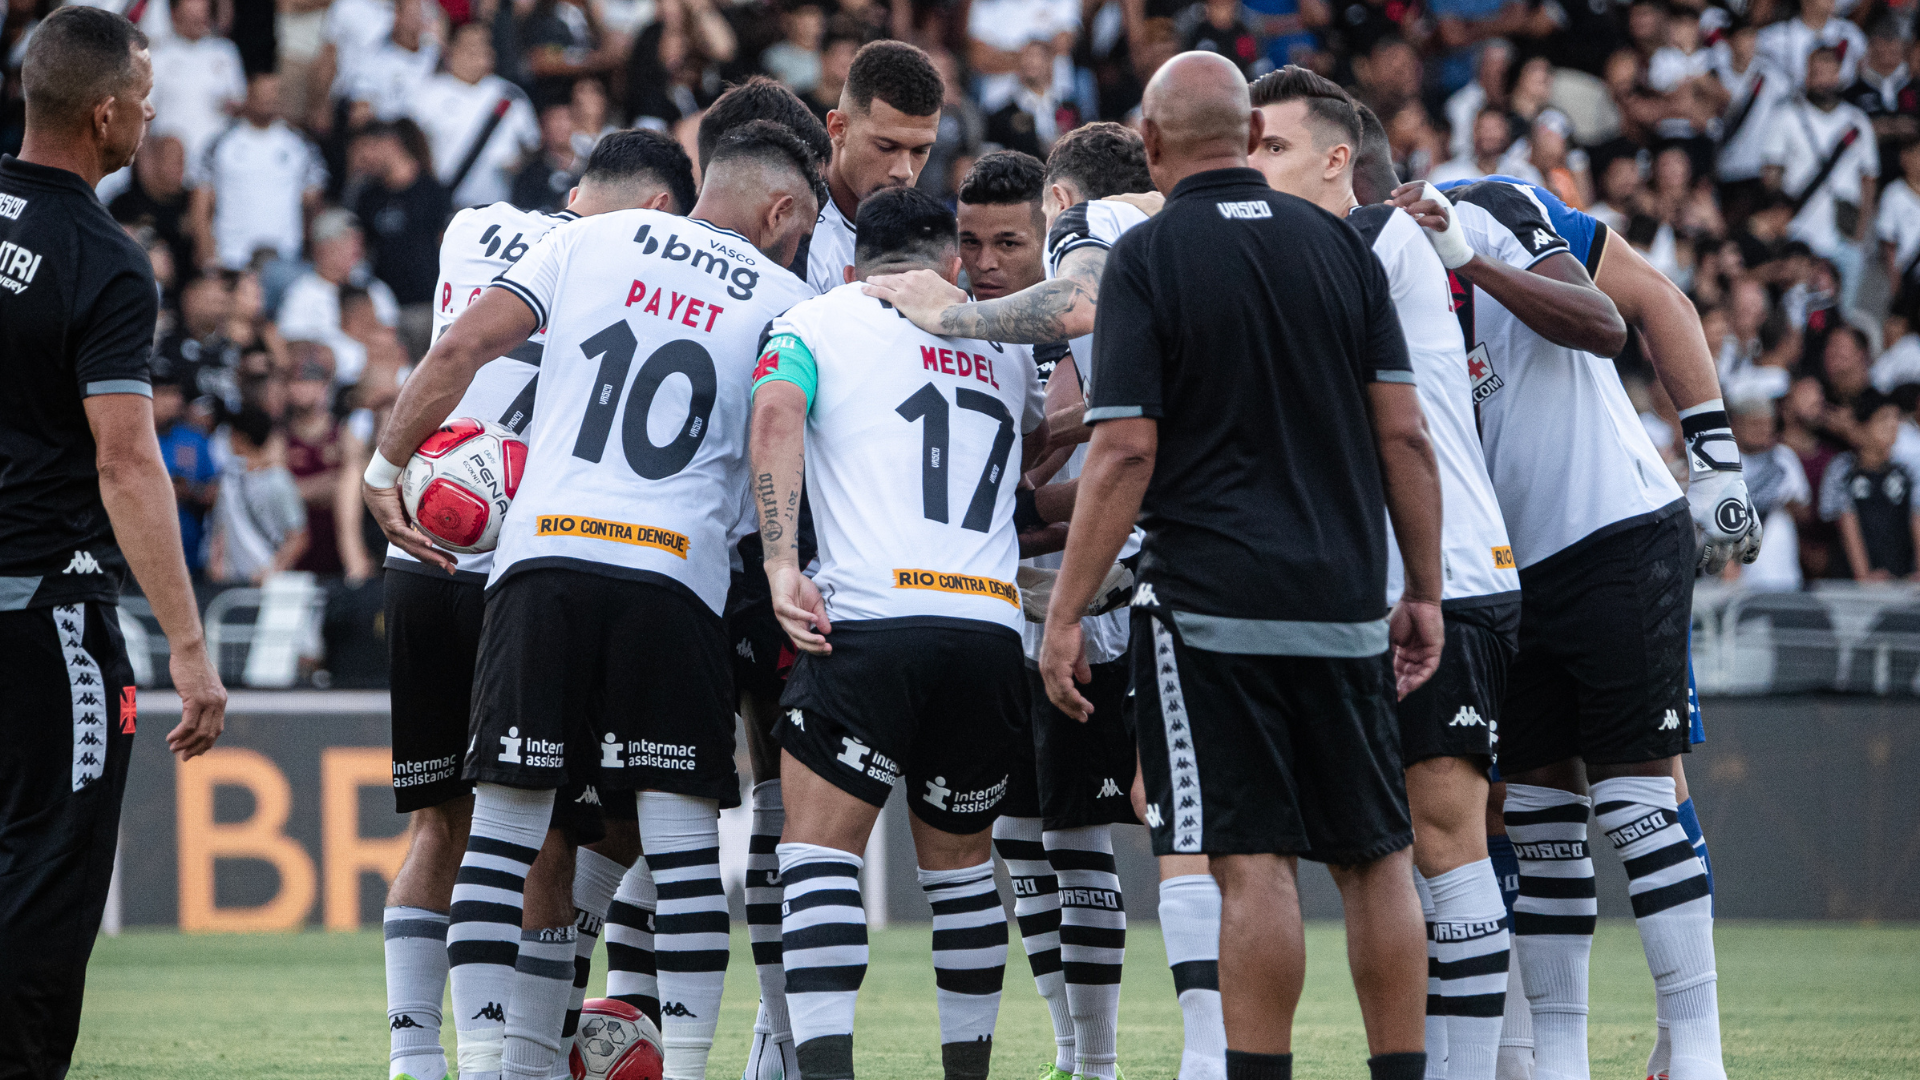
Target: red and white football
615, 1041
458, 485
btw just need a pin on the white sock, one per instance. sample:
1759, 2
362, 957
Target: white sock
1472, 954
969, 962
681, 837
823, 946
1662, 1052
1036, 907
1516, 1028
1436, 1032
1190, 923
632, 969
1553, 921
772, 1031
416, 950
1093, 941
542, 980
483, 929
595, 879
1673, 907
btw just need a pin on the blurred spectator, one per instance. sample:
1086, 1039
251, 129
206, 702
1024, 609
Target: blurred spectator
389, 75
1489, 87
998, 32
564, 41
1885, 89
1217, 27
1899, 365
1870, 497
1898, 229
1755, 88
478, 124
1032, 118
189, 458
592, 116
795, 58
1906, 444
1389, 77
1460, 25
545, 180
405, 207
671, 73
259, 520
197, 354
314, 455
1802, 430
311, 309
1789, 43
1557, 169
1822, 155
1417, 146
836, 60
255, 184
156, 196
299, 37
1682, 57
962, 128
1780, 492
1492, 134
1845, 372
198, 83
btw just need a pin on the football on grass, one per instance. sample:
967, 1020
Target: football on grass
615, 1041
460, 482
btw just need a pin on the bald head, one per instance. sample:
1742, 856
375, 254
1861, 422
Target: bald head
1196, 113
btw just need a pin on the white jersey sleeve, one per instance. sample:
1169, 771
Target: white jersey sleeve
478, 245
913, 456
637, 465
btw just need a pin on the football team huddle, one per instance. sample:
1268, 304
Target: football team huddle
836, 510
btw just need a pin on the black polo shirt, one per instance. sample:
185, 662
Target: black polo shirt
1249, 323
77, 311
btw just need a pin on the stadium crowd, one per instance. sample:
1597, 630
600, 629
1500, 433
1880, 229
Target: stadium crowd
300, 169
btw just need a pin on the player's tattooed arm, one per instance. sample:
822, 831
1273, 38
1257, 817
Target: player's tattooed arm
1054, 310
777, 443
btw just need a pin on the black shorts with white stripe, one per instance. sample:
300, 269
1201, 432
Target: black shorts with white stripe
1287, 755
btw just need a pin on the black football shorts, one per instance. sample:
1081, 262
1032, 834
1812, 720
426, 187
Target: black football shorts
433, 635
1457, 712
1085, 771
936, 701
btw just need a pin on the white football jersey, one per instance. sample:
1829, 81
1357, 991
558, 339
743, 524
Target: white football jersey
479, 244
1086, 224
1476, 560
637, 465
913, 456
830, 250
1564, 446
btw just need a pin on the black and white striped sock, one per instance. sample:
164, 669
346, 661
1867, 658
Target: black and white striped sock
632, 970
681, 837
416, 956
483, 928
1553, 921
1673, 907
1036, 907
969, 964
595, 879
1093, 942
1190, 923
1436, 1029
772, 1053
823, 946
1471, 957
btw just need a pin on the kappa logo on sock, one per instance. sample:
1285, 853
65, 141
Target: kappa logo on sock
1468, 716
491, 1011
404, 1021
1669, 722
678, 1010
1108, 789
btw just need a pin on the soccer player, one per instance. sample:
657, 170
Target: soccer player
602, 658
882, 132
1597, 708
433, 632
84, 498
909, 634
1309, 145
1087, 171
1251, 388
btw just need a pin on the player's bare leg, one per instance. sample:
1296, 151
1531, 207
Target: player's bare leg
1190, 926
1386, 949
416, 937
1260, 978
772, 1051
1467, 942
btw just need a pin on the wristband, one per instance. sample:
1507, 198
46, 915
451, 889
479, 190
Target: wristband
1709, 437
381, 473
1449, 243
1026, 512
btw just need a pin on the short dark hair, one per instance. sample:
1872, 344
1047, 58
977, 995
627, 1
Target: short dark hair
1330, 111
78, 56
775, 144
254, 423
761, 98
897, 73
1004, 177
1869, 402
1101, 159
1374, 176
902, 224
640, 154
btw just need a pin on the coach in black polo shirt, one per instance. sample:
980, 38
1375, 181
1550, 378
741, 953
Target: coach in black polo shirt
1254, 402
79, 465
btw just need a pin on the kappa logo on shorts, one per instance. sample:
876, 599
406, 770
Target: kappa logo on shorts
1669, 722
1143, 596
797, 718
1468, 716
83, 562
744, 649
610, 753
1154, 820
1108, 789
589, 796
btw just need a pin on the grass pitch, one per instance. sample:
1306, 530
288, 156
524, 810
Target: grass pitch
1798, 1001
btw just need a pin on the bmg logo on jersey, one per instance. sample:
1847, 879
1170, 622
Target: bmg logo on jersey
741, 280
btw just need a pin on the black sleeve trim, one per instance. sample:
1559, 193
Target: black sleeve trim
1597, 248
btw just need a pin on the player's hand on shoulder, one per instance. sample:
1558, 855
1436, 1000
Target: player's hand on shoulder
385, 507
1418, 633
203, 702
920, 295
1147, 202
1433, 211
801, 610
